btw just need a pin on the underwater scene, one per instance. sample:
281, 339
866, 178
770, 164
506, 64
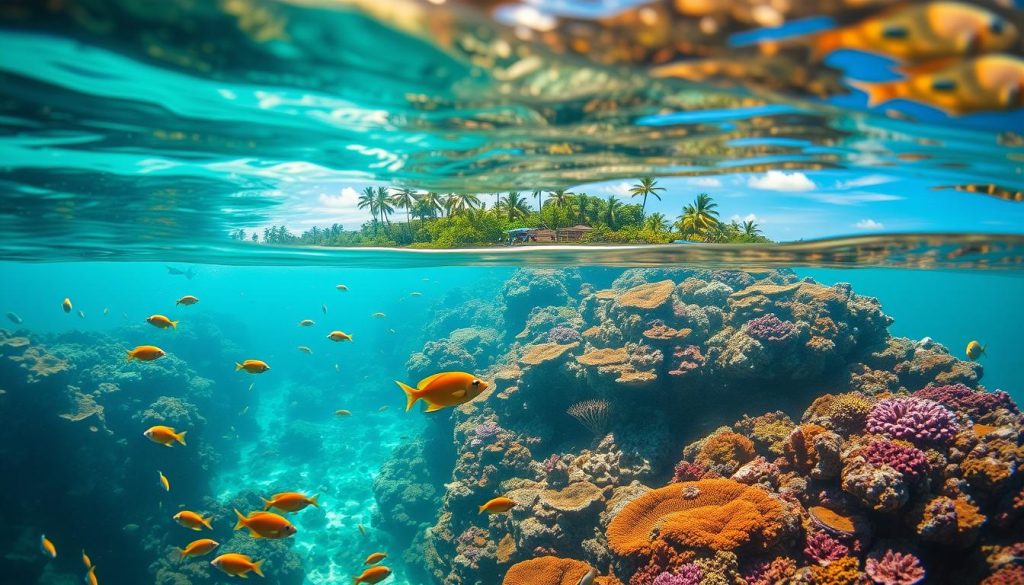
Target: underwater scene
498, 292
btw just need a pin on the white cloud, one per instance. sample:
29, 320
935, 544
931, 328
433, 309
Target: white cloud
347, 199
707, 182
854, 198
865, 181
868, 224
782, 181
748, 217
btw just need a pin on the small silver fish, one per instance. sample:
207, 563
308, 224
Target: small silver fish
106, 311
14, 318
251, 386
323, 308
588, 579
81, 313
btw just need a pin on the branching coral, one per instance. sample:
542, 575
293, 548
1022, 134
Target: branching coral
915, 419
894, 568
908, 460
823, 548
974, 403
769, 328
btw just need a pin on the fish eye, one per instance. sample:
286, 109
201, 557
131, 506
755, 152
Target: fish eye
944, 85
476, 382
997, 26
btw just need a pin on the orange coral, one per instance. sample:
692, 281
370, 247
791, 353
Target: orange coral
604, 357
647, 296
725, 449
546, 571
832, 520
845, 571
541, 353
709, 513
799, 448
506, 548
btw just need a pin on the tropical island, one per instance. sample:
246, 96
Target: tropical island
451, 220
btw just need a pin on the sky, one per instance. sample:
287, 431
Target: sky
788, 205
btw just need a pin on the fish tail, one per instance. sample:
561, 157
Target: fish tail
410, 395
180, 437
482, 508
206, 522
257, 567
183, 554
174, 324
313, 501
879, 93
238, 366
130, 356
241, 520
266, 503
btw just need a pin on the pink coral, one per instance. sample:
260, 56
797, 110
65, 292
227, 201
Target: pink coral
895, 568
974, 403
915, 419
688, 574
686, 359
824, 549
909, 461
770, 328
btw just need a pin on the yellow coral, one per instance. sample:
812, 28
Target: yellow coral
725, 449
710, 513
604, 357
845, 571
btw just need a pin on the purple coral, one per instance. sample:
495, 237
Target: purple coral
563, 335
484, 433
686, 359
824, 549
895, 568
769, 327
916, 419
686, 471
909, 461
688, 574
974, 403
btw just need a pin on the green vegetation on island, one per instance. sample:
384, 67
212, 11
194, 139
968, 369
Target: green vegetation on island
447, 220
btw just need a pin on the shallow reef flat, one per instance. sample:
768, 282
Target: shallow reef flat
684, 427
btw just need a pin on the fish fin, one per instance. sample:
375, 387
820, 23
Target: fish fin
182, 551
206, 522
238, 366
257, 567
433, 407
174, 324
426, 381
313, 501
180, 437
130, 356
241, 520
410, 395
243, 575
254, 534
459, 393
267, 504
879, 93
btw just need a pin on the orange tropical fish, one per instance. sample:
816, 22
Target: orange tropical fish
265, 525
161, 322
339, 336
237, 565
290, 502
375, 558
187, 300
90, 577
198, 548
190, 519
252, 366
166, 436
47, 547
86, 560
66, 305
163, 480
146, 353
373, 575
444, 389
498, 506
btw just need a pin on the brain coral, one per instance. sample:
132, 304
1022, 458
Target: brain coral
915, 419
546, 571
725, 452
720, 514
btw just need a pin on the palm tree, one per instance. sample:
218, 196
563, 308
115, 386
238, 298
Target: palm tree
559, 197
461, 202
382, 200
646, 186
750, 229
580, 206
405, 198
700, 216
512, 206
612, 208
539, 195
368, 200
432, 201
657, 223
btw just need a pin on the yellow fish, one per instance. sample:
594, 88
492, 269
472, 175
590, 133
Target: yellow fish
66, 305
444, 389
290, 502
306, 323
190, 519
86, 560
975, 350
161, 322
187, 300
986, 84
922, 32
498, 506
146, 353
373, 575
47, 547
163, 481
166, 436
339, 336
265, 525
305, 349
198, 548
252, 366
375, 558
237, 565
90, 577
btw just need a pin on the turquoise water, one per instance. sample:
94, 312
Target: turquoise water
797, 410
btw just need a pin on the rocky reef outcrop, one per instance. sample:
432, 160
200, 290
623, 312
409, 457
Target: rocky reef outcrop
625, 424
